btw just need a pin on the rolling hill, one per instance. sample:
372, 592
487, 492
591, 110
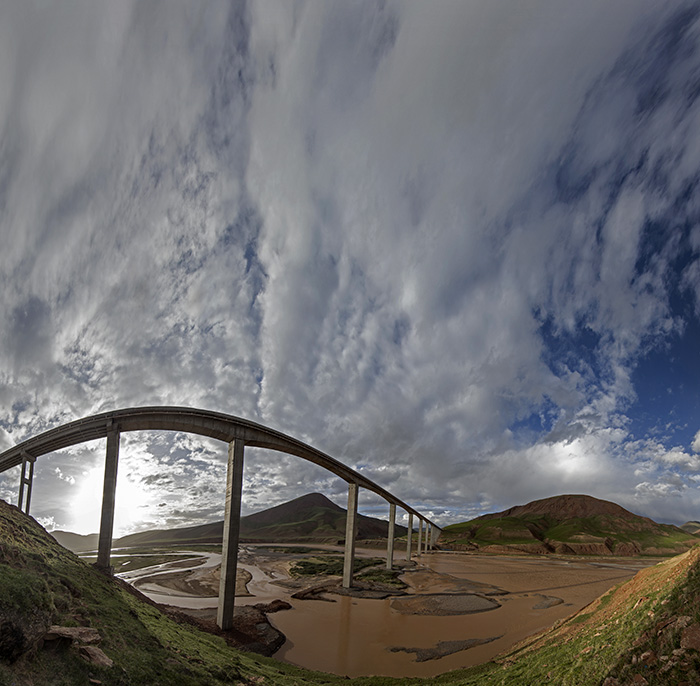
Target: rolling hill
691, 527
568, 524
310, 518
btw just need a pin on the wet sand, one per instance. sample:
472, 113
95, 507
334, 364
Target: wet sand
460, 610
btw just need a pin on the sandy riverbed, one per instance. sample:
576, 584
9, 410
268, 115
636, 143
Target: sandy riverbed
460, 610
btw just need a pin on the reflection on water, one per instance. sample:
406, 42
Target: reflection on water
344, 632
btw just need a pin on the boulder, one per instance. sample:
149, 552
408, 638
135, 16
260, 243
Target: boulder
690, 638
95, 656
78, 634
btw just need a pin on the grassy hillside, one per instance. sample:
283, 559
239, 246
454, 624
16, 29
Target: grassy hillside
569, 525
649, 626
692, 527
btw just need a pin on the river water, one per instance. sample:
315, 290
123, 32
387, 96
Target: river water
355, 637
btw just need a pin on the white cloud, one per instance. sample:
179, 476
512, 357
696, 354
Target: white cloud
380, 228
695, 445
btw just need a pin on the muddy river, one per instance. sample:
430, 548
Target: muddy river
460, 609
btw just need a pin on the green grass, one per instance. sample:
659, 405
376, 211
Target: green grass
329, 566
531, 529
382, 575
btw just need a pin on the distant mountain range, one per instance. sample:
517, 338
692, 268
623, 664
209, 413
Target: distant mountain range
569, 524
312, 518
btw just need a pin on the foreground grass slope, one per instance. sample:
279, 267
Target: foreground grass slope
42, 583
648, 627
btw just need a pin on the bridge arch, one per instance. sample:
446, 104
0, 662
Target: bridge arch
235, 431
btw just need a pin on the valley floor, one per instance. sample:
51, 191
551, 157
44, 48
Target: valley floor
459, 609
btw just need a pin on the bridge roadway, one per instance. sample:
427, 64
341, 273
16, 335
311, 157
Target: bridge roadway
239, 434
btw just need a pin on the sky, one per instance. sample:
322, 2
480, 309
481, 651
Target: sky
454, 245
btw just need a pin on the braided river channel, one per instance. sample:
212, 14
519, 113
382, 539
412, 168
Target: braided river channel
458, 609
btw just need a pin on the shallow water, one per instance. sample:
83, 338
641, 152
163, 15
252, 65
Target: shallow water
354, 636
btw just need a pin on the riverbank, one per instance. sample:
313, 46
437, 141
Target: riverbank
458, 610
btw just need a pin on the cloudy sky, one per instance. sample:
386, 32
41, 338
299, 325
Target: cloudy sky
455, 245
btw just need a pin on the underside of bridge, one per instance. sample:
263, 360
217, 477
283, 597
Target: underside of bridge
238, 434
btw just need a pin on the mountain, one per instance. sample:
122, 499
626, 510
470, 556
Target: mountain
568, 524
203, 533
76, 542
310, 518
691, 527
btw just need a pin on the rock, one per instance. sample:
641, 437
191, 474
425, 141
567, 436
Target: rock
690, 638
80, 634
683, 621
275, 606
639, 602
639, 680
95, 656
648, 658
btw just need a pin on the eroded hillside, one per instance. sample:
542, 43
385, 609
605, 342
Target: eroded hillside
568, 525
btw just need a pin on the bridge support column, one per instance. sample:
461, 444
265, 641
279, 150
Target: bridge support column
390, 537
350, 534
232, 527
409, 537
419, 548
104, 544
429, 537
26, 480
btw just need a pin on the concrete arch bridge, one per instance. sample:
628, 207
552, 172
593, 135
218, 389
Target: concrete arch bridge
238, 434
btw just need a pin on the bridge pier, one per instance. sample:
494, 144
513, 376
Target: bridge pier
429, 537
390, 537
350, 534
213, 425
27, 481
419, 547
232, 527
104, 544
